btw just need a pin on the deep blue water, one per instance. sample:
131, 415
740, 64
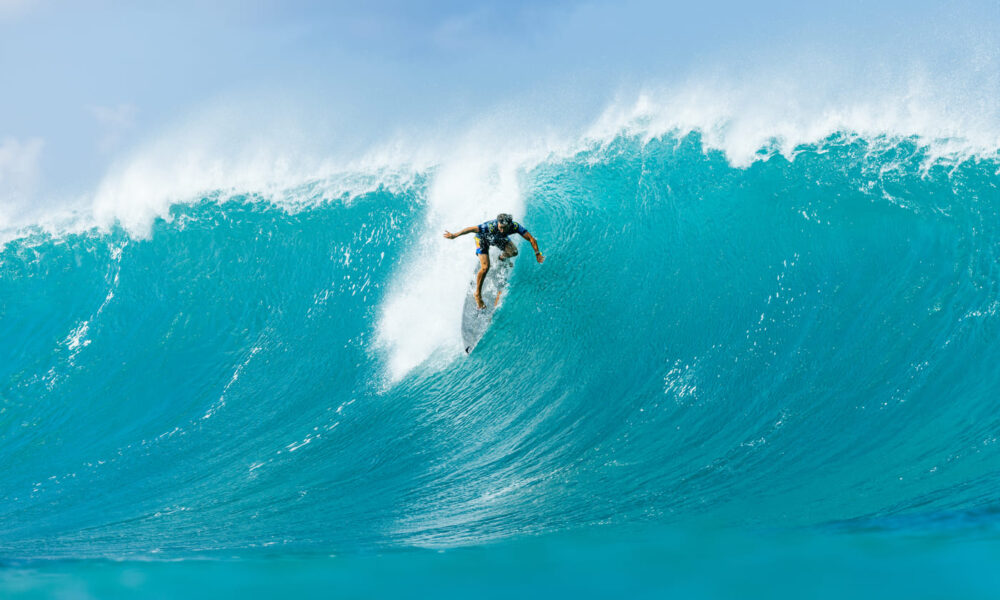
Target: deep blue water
791, 363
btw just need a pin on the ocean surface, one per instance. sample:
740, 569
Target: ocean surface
730, 378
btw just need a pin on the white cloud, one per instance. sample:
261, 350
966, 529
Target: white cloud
116, 121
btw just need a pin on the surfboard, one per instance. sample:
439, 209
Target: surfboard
475, 321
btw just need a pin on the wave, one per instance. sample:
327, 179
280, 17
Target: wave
801, 340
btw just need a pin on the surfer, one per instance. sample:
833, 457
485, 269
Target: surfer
494, 233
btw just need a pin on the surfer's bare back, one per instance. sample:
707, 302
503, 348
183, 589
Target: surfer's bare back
494, 233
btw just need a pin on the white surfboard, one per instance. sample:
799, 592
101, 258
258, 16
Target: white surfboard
475, 320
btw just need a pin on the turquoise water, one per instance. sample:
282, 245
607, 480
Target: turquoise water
724, 380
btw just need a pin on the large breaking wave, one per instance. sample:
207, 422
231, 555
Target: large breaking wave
804, 336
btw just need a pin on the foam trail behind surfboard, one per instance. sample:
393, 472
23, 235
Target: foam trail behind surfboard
466, 190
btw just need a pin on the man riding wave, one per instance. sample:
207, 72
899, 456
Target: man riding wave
494, 233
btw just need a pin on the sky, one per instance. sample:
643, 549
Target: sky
85, 84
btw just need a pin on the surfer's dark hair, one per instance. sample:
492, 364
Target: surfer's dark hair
505, 219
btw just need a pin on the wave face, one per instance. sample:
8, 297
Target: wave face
807, 341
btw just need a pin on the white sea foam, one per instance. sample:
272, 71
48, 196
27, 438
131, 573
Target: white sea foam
214, 155
780, 113
421, 315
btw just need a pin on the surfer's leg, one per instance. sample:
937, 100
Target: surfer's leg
509, 250
484, 267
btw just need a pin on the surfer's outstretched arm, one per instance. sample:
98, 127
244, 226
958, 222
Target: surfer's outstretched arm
452, 236
534, 244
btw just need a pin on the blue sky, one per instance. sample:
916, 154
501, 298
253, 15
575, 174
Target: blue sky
84, 82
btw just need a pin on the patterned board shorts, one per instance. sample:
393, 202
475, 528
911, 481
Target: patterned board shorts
483, 246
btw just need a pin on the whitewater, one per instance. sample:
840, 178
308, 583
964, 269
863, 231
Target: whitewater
746, 328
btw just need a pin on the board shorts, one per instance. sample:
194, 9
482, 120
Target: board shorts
483, 246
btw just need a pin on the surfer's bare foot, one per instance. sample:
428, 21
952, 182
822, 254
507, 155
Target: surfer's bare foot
479, 302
